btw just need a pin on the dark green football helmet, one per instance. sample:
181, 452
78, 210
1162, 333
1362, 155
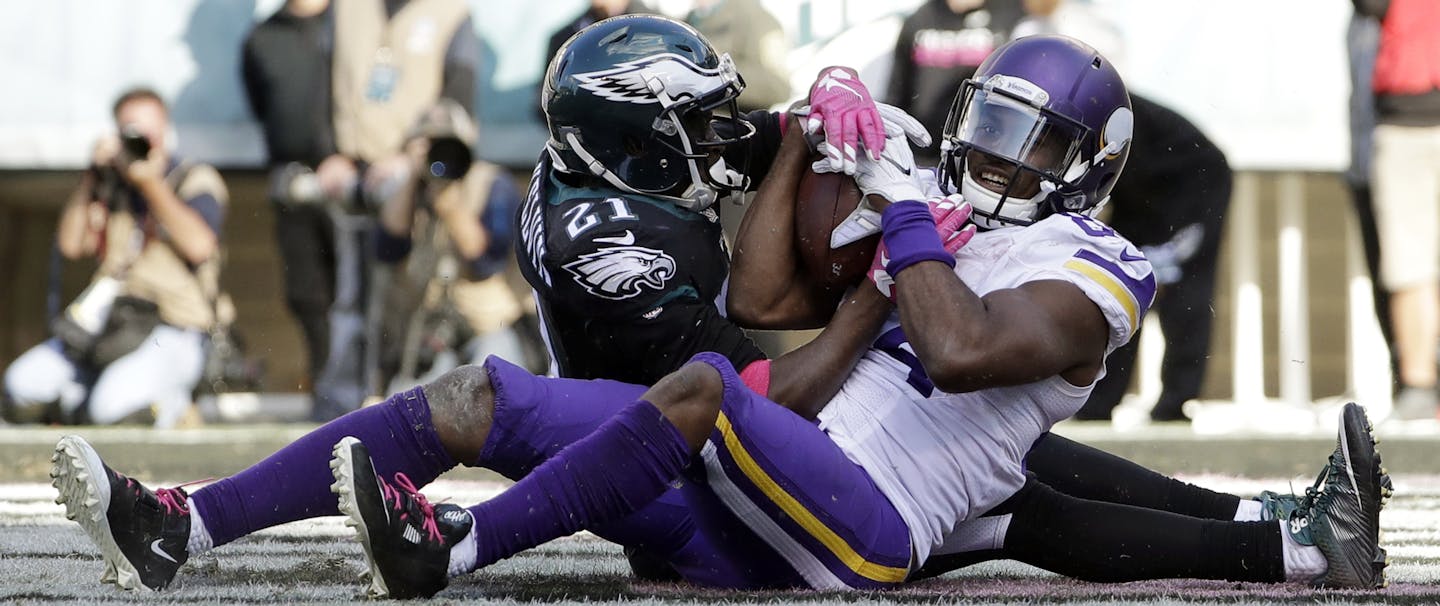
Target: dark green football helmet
637, 100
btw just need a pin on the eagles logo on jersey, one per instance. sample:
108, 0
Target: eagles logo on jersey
621, 272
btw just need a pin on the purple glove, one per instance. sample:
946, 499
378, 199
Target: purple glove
842, 106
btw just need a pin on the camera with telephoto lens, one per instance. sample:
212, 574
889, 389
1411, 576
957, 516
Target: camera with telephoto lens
449, 159
135, 144
450, 131
109, 186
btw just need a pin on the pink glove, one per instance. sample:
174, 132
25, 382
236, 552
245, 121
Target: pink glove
842, 106
951, 214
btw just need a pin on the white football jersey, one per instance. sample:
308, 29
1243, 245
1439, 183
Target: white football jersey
941, 457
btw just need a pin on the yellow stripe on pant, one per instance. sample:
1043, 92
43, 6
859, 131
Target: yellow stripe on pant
842, 550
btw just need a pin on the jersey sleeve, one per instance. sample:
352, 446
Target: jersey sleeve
204, 191
756, 154
1108, 268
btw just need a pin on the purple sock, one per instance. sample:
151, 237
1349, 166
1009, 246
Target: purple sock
294, 483
626, 463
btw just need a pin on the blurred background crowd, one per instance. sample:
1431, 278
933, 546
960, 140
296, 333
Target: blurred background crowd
204, 200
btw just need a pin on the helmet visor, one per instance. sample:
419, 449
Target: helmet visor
1000, 124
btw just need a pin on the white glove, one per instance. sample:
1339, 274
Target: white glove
862, 222
894, 176
897, 157
914, 130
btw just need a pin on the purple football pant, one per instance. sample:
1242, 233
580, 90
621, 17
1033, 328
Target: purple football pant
770, 502
536, 417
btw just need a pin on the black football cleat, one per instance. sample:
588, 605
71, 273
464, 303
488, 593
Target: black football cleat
1365, 480
141, 534
1356, 444
407, 540
1343, 518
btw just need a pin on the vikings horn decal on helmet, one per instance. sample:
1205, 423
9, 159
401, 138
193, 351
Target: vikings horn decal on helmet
1043, 127
621, 272
646, 104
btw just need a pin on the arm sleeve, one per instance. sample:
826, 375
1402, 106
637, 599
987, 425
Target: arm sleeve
1107, 267
462, 64
754, 156
209, 209
203, 190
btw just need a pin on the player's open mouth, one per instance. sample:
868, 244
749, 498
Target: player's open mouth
994, 179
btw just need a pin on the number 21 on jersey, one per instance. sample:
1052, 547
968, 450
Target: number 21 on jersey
586, 215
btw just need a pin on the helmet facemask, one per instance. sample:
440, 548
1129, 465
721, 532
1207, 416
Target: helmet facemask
1012, 157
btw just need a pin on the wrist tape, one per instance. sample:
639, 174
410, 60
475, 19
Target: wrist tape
909, 234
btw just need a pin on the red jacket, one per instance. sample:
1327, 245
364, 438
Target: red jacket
1408, 61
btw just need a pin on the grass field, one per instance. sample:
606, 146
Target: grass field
46, 559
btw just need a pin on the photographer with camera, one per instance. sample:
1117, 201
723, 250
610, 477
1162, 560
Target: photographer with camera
447, 233
356, 74
135, 338
334, 85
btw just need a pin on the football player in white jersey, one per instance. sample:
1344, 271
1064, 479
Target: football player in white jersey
983, 358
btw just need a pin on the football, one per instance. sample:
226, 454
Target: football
822, 202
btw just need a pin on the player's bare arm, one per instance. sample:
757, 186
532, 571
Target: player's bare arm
1008, 337
769, 288
805, 379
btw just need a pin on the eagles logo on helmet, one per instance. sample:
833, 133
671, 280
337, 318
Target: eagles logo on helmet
644, 103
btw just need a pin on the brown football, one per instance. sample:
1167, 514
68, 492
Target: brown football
823, 201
